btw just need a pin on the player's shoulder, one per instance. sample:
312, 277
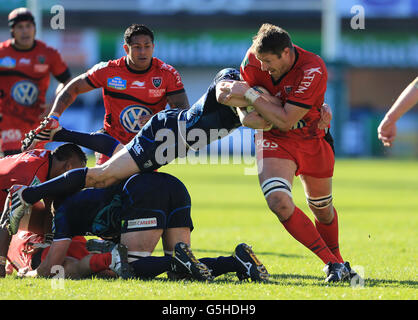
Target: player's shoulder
250, 60
163, 66
107, 65
6, 44
45, 48
309, 61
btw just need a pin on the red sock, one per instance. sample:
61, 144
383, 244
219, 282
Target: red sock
329, 232
303, 230
100, 262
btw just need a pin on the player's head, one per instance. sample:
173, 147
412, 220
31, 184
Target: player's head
139, 46
66, 157
273, 47
227, 74
22, 27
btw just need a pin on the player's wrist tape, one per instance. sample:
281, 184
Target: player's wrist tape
54, 117
3, 260
251, 95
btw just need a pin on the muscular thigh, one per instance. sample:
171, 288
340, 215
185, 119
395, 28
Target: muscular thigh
141, 241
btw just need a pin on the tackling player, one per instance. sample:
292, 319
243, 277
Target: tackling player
146, 152
30, 168
295, 146
139, 212
25, 65
134, 87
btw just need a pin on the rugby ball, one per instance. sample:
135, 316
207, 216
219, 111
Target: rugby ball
251, 108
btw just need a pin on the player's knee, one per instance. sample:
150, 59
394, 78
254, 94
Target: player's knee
321, 207
277, 192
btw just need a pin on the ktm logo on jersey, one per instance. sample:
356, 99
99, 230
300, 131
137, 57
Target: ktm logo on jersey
130, 115
308, 77
25, 92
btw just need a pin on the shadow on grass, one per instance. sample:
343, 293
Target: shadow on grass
390, 283
258, 253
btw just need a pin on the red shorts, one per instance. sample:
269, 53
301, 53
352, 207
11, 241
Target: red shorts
313, 157
13, 131
77, 249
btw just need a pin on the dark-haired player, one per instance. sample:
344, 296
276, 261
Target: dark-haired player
25, 67
134, 87
30, 168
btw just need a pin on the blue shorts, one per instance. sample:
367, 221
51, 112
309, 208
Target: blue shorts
155, 201
158, 143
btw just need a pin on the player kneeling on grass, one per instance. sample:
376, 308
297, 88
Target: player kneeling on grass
138, 212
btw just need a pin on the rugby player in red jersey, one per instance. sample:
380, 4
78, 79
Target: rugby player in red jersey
296, 146
25, 65
134, 87
33, 167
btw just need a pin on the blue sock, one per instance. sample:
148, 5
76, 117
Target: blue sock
221, 265
69, 182
150, 267
100, 142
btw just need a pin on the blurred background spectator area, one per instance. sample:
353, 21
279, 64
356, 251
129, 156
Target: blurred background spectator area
369, 46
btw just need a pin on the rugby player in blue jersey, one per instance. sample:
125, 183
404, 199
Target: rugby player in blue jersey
137, 213
166, 136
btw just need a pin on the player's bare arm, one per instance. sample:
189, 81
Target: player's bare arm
70, 92
387, 128
55, 257
178, 100
250, 119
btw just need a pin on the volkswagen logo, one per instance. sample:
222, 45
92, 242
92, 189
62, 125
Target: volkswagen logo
25, 92
130, 115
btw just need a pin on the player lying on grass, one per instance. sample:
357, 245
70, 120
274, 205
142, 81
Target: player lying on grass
138, 212
31, 168
78, 262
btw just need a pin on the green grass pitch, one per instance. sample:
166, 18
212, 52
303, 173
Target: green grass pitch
377, 202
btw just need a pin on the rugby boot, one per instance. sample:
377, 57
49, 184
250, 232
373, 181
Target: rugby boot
251, 266
184, 262
40, 136
351, 273
99, 246
16, 207
335, 272
120, 264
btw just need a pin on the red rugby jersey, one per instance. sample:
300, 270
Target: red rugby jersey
24, 78
129, 94
304, 85
27, 168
